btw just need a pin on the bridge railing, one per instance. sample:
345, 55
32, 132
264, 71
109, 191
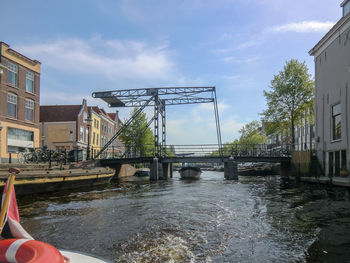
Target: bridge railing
200, 150
234, 150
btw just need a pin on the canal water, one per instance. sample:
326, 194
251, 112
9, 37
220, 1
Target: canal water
257, 219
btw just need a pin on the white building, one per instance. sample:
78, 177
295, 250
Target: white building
332, 113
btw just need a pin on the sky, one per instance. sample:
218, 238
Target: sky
235, 45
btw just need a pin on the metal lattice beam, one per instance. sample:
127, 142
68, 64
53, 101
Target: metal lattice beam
170, 96
159, 98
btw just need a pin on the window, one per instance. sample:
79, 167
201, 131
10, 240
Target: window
337, 163
331, 164
12, 74
336, 122
30, 81
19, 140
97, 139
12, 105
343, 160
29, 110
85, 117
93, 138
20, 135
86, 135
97, 124
94, 123
81, 135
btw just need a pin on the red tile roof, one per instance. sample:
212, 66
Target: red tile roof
112, 116
55, 113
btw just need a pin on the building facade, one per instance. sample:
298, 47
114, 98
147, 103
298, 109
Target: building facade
64, 126
19, 103
332, 81
107, 131
118, 147
95, 129
304, 137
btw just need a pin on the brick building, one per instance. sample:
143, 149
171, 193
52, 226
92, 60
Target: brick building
64, 126
19, 102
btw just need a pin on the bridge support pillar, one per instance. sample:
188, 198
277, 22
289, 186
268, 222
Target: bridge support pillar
171, 170
285, 169
231, 170
163, 171
154, 170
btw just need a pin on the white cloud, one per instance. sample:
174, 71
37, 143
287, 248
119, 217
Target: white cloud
230, 128
112, 59
304, 27
67, 98
233, 59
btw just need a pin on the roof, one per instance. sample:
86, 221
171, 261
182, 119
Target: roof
101, 112
330, 34
57, 113
32, 61
94, 108
112, 116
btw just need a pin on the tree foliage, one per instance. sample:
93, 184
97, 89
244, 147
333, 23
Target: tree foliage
252, 133
137, 137
289, 100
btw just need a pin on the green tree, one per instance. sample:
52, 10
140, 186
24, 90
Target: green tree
137, 137
252, 133
289, 100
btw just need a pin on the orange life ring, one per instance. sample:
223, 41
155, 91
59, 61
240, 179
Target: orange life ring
29, 251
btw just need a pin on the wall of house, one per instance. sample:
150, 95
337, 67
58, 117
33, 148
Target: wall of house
58, 134
4, 155
24, 64
332, 67
81, 122
95, 130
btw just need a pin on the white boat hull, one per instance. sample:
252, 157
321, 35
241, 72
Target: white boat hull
78, 257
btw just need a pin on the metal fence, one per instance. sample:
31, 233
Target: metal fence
45, 155
202, 150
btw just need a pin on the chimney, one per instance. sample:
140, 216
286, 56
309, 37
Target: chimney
117, 118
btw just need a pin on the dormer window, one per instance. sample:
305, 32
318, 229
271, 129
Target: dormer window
346, 7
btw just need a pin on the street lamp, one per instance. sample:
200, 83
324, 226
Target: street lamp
88, 123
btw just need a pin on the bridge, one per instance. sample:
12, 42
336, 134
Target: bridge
163, 156
161, 166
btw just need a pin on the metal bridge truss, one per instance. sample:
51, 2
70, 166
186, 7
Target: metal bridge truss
159, 98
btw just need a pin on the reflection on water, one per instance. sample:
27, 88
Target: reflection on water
258, 219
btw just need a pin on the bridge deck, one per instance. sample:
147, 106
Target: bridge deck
112, 162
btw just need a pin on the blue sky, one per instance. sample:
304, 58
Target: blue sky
235, 45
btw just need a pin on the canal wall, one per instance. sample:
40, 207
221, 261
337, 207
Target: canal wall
301, 161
